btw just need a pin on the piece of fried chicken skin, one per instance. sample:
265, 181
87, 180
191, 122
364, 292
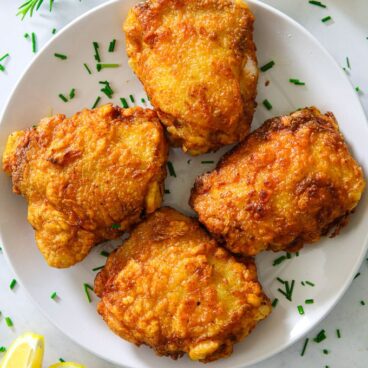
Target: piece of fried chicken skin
87, 178
171, 287
289, 182
197, 62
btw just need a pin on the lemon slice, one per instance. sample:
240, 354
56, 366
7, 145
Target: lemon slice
67, 365
25, 352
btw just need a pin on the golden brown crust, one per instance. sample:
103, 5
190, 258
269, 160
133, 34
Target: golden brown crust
288, 183
197, 62
80, 175
171, 287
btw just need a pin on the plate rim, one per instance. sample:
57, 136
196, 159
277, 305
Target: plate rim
348, 280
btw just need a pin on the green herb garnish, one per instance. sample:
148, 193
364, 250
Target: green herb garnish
267, 66
60, 56
96, 102
143, 100
170, 166
267, 104
124, 102
300, 309
309, 301
98, 268
309, 283
318, 3
320, 336
97, 54
62, 97
207, 162
338, 333
28, 7
2, 349
132, 98
297, 82
362, 302
115, 226
107, 90
325, 351
348, 62
274, 302
9, 322
61, 360
53, 31
279, 260
2, 68
12, 284
326, 19
167, 191
304, 347
289, 288
34, 43
99, 67
4, 56
53, 295
86, 288
357, 275
112, 46
87, 68
104, 253
72, 93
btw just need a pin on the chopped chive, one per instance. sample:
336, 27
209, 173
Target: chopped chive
207, 162
9, 322
98, 268
309, 301
34, 43
362, 302
60, 56
4, 56
278, 260
143, 100
105, 66
53, 31
2, 349
309, 283
304, 347
2, 68
12, 284
189, 161
325, 351
300, 309
358, 89
297, 82
318, 3
280, 280
288, 255
297, 254
326, 19
51, 5
26, 35
348, 62
87, 68
302, 282
61, 360
72, 93
170, 166
357, 275
97, 54
320, 336
107, 90
267, 104
124, 102
131, 98
87, 287
115, 226
167, 191
112, 45
267, 66
104, 253
53, 295
96, 102
338, 333
62, 97
274, 302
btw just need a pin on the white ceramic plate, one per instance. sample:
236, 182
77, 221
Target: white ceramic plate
331, 264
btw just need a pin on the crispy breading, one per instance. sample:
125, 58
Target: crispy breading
172, 288
197, 62
288, 183
87, 178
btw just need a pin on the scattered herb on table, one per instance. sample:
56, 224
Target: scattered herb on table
267, 66
170, 166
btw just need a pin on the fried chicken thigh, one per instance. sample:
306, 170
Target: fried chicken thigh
172, 288
87, 178
288, 183
197, 62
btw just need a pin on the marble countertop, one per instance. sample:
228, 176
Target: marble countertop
346, 36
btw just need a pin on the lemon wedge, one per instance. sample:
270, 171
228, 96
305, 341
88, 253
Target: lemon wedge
67, 365
25, 352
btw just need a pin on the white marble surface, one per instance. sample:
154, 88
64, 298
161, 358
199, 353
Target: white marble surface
345, 36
